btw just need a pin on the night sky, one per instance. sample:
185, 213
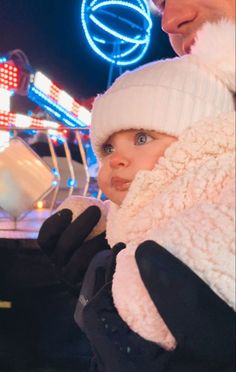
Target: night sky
49, 32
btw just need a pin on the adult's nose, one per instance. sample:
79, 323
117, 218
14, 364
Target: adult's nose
177, 17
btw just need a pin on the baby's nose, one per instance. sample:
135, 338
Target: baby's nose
119, 160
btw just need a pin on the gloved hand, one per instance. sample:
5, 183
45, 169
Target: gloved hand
64, 243
203, 324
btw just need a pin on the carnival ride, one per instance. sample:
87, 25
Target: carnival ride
26, 178
117, 30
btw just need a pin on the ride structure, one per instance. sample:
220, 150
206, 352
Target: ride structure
118, 31
63, 115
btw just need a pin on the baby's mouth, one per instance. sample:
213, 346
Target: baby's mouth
120, 184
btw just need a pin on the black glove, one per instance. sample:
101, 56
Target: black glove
203, 325
65, 245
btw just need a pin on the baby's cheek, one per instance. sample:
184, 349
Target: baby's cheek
103, 178
100, 178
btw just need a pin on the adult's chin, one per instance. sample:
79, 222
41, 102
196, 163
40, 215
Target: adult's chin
176, 42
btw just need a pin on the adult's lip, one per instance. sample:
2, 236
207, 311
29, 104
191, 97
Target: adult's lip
120, 184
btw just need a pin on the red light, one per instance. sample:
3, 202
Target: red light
9, 76
75, 108
54, 92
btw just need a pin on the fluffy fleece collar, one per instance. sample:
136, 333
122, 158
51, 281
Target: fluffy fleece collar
196, 146
186, 204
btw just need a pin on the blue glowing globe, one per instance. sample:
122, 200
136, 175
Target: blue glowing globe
117, 30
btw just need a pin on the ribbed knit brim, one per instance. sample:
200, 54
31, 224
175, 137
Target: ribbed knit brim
166, 96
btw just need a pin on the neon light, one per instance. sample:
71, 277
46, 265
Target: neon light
3, 59
124, 4
116, 46
71, 182
117, 34
55, 172
55, 183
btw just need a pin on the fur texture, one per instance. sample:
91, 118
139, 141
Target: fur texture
186, 203
219, 39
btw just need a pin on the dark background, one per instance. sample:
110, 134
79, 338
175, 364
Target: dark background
49, 32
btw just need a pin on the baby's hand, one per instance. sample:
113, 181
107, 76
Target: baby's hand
78, 204
66, 244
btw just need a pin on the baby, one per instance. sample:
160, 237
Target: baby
164, 136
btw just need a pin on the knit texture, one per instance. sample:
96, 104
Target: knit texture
169, 96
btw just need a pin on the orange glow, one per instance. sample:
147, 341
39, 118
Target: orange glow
40, 204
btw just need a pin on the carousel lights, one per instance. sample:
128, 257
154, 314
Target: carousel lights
56, 136
62, 98
9, 76
53, 108
58, 102
55, 183
55, 172
10, 120
40, 204
23, 121
71, 182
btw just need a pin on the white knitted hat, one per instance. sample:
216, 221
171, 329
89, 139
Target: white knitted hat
166, 96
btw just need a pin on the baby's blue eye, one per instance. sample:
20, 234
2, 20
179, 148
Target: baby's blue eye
107, 148
141, 138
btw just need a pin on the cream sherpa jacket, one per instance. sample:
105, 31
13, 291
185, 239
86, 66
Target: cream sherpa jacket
186, 204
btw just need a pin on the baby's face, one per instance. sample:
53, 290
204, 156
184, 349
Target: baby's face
125, 153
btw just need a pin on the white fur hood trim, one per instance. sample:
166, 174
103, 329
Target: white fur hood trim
215, 47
